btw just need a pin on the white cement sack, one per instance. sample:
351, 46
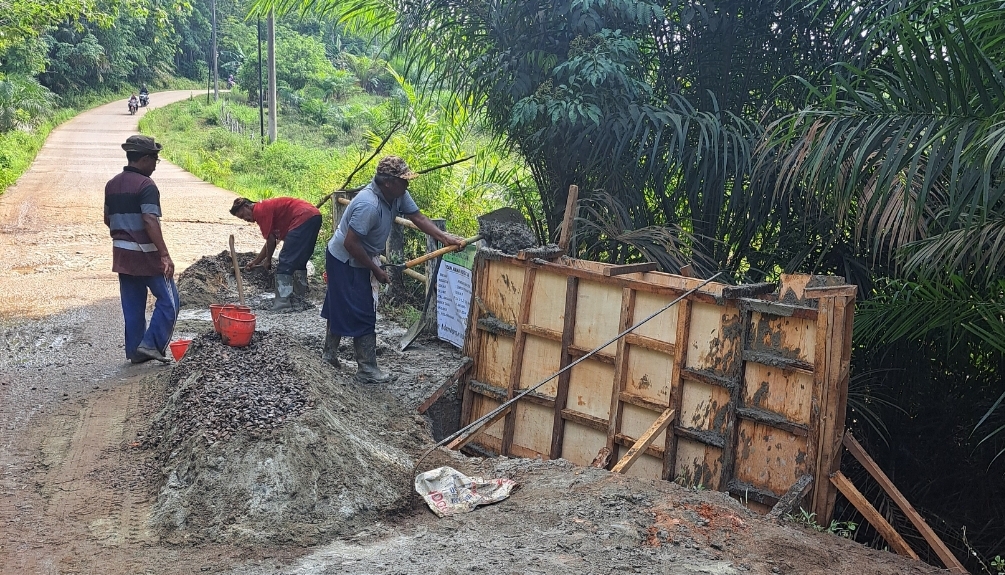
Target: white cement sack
449, 492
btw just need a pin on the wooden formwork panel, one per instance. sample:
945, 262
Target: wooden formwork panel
757, 381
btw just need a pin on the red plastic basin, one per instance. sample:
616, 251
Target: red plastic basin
179, 347
216, 308
236, 327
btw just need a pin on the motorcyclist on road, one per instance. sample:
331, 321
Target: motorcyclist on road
144, 95
134, 103
143, 90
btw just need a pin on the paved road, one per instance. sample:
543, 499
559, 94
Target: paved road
56, 250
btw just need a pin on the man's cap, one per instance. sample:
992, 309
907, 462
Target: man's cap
144, 144
395, 166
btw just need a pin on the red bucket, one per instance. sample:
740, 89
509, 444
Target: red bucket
179, 347
216, 308
236, 327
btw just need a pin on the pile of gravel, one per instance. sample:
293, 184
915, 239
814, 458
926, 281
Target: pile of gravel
226, 390
211, 280
268, 444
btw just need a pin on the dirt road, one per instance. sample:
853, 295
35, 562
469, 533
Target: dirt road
65, 388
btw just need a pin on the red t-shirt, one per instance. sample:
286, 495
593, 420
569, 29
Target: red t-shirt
280, 215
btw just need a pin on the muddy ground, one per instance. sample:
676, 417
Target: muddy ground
107, 499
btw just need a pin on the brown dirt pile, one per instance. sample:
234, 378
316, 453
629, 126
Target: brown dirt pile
241, 464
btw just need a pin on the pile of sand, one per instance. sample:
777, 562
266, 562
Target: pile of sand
340, 460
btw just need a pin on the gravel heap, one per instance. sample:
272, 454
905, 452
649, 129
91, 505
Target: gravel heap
224, 389
268, 444
211, 280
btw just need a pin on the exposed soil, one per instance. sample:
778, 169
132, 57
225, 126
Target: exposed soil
93, 481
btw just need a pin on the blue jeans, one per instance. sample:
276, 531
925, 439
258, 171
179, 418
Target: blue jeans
133, 293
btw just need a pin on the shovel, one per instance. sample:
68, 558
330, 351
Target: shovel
510, 216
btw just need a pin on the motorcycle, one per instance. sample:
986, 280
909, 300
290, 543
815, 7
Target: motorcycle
132, 107
144, 100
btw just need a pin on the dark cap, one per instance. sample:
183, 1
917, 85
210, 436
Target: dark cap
144, 144
395, 166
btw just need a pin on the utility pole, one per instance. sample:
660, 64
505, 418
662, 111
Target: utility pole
273, 103
261, 93
216, 75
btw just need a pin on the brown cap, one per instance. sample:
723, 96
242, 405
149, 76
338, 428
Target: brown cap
141, 144
395, 166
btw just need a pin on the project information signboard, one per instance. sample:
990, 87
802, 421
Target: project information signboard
453, 295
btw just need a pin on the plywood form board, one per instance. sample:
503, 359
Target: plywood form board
597, 315
532, 432
495, 359
788, 393
741, 417
503, 290
789, 337
547, 306
769, 458
590, 388
541, 358
698, 464
491, 437
650, 374
581, 444
714, 342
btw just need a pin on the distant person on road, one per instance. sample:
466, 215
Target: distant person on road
292, 221
353, 267
139, 254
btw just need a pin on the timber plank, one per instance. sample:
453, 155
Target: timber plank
874, 517
630, 269
636, 451
453, 379
677, 386
870, 465
620, 368
562, 394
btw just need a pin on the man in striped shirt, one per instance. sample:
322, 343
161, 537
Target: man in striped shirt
139, 255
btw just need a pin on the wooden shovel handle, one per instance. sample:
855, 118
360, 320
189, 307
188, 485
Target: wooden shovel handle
237, 271
439, 252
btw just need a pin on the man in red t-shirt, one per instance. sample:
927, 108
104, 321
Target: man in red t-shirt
294, 222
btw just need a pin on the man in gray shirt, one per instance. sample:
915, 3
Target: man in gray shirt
353, 267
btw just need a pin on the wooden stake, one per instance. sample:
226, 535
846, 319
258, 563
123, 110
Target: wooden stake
947, 557
874, 517
636, 451
571, 207
237, 270
453, 379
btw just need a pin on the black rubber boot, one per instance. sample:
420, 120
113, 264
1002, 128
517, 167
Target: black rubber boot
367, 371
330, 351
284, 289
300, 287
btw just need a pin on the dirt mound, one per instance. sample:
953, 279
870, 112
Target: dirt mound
282, 450
211, 280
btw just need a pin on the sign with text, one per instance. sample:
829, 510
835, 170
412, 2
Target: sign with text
453, 295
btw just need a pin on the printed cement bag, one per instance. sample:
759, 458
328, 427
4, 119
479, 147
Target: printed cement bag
449, 492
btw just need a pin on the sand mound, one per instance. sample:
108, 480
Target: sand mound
282, 450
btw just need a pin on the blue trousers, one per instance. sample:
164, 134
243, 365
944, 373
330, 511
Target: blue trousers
133, 293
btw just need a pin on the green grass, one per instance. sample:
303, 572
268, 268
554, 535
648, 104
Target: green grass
18, 148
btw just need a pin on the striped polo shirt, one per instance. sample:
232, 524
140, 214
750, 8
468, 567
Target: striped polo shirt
128, 196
